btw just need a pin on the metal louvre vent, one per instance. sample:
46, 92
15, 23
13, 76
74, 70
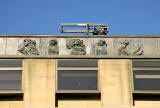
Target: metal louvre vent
10, 63
147, 64
77, 63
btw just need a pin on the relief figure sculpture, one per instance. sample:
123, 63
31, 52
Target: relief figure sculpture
129, 47
101, 48
28, 47
53, 48
77, 47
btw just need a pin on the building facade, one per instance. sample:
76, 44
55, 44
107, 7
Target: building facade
47, 71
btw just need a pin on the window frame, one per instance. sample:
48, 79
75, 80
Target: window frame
78, 68
143, 68
22, 77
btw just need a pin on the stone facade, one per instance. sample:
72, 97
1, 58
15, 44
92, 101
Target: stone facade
80, 46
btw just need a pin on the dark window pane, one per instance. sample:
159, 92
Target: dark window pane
10, 79
77, 63
151, 64
77, 79
146, 79
10, 63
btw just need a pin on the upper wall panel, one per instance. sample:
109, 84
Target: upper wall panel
132, 46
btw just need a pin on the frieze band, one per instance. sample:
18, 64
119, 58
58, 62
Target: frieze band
78, 47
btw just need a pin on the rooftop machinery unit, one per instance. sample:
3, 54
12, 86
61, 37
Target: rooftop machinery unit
95, 29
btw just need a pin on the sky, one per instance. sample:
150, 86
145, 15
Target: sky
124, 17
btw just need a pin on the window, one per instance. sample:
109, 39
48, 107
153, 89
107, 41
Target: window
146, 81
77, 76
10, 76
146, 75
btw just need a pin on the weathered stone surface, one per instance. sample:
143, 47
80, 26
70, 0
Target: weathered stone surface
128, 47
2, 46
100, 48
39, 83
11, 46
62, 47
43, 46
77, 47
53, 48
151, 47
48, 47
82, 46
106, 49
158, 47
115, 82
28, 47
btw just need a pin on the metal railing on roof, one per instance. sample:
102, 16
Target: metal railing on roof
95, 29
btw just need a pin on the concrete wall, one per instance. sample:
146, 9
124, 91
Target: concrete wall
136, 46
39, 86
39, 75
116, 89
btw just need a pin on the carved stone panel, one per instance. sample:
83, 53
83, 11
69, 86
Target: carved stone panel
128, 47
76, 46
53, 48
100, 47
81, 46
28, 47
49, 46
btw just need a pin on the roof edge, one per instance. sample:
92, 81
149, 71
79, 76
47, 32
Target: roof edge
76, 36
